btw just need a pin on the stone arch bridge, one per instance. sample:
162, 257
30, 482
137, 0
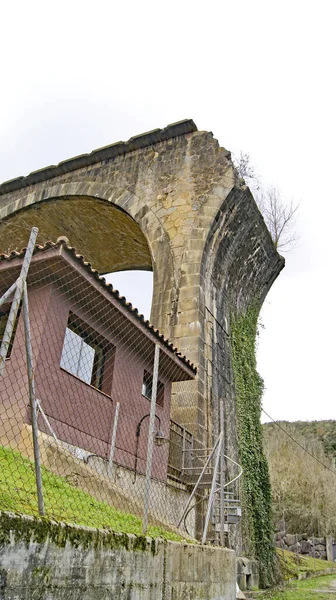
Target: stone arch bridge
169, 201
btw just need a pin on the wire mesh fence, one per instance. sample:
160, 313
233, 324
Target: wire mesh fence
99, 413
92, 416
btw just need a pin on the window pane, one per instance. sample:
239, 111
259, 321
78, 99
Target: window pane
85, 366
147, 385
71, 351
82, 354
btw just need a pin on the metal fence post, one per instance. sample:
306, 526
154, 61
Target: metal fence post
222, 474
151, 439
314, 552
183, 451
17, 288
213, 488
113, 440
32, 399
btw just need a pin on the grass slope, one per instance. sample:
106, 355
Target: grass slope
63, 502
292, 565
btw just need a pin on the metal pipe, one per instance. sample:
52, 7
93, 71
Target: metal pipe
222, 474
198, 482
7, 336
137, 443
151, 439
45, 418
113, 440
8, 294
32, 399
183, 451
213, 488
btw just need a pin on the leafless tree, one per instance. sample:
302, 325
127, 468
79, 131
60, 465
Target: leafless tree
246, 170
279, 215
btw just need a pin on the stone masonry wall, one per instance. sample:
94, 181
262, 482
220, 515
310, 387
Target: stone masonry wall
302, 544
51, 561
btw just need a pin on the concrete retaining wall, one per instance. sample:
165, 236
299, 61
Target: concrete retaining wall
51, 561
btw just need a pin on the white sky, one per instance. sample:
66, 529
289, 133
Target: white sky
78, 75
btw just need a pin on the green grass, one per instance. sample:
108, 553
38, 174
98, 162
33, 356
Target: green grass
306, 589
292, 565
63, 502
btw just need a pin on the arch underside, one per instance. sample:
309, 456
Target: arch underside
104, 234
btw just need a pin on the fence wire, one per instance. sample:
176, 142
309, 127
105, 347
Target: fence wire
104, 419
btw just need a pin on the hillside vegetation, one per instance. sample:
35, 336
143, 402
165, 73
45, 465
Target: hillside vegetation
303, 491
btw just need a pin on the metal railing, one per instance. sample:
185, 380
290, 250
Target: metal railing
180, 451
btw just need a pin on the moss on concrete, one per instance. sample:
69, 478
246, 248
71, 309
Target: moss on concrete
26, 529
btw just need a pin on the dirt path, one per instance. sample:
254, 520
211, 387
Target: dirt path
329, 591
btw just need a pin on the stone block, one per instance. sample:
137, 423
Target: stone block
306, 547
290, 539
329, 548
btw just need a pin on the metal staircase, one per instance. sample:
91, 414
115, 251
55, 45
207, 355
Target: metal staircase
214, 477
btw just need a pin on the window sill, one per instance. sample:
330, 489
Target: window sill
150, 400
87, 384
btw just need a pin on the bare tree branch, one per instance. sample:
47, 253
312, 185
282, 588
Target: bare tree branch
279, 216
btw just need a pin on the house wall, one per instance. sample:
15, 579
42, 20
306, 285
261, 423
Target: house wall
14, 393
80, 414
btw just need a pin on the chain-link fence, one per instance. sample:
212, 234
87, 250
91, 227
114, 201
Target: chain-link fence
86, 384
99, 414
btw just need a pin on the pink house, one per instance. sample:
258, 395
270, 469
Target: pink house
91, 350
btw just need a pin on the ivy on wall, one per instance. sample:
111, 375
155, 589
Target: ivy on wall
256, 489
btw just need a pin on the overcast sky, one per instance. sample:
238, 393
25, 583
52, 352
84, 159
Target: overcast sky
260, 75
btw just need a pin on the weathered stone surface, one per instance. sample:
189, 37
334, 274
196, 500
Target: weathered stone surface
329, 548
306, 547
290, 539
318, 547
247, 574
319, 540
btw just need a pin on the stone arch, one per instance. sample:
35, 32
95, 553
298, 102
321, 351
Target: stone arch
239, 265
132, 211
239, 262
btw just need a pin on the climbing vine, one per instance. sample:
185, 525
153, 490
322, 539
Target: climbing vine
256, 489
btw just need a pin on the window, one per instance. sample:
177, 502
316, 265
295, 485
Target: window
147, 388
4, 312
84, 352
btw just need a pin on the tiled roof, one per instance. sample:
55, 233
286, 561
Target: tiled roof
106, 286
108, 152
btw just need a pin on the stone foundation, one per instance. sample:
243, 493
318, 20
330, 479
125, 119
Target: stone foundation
247, 574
